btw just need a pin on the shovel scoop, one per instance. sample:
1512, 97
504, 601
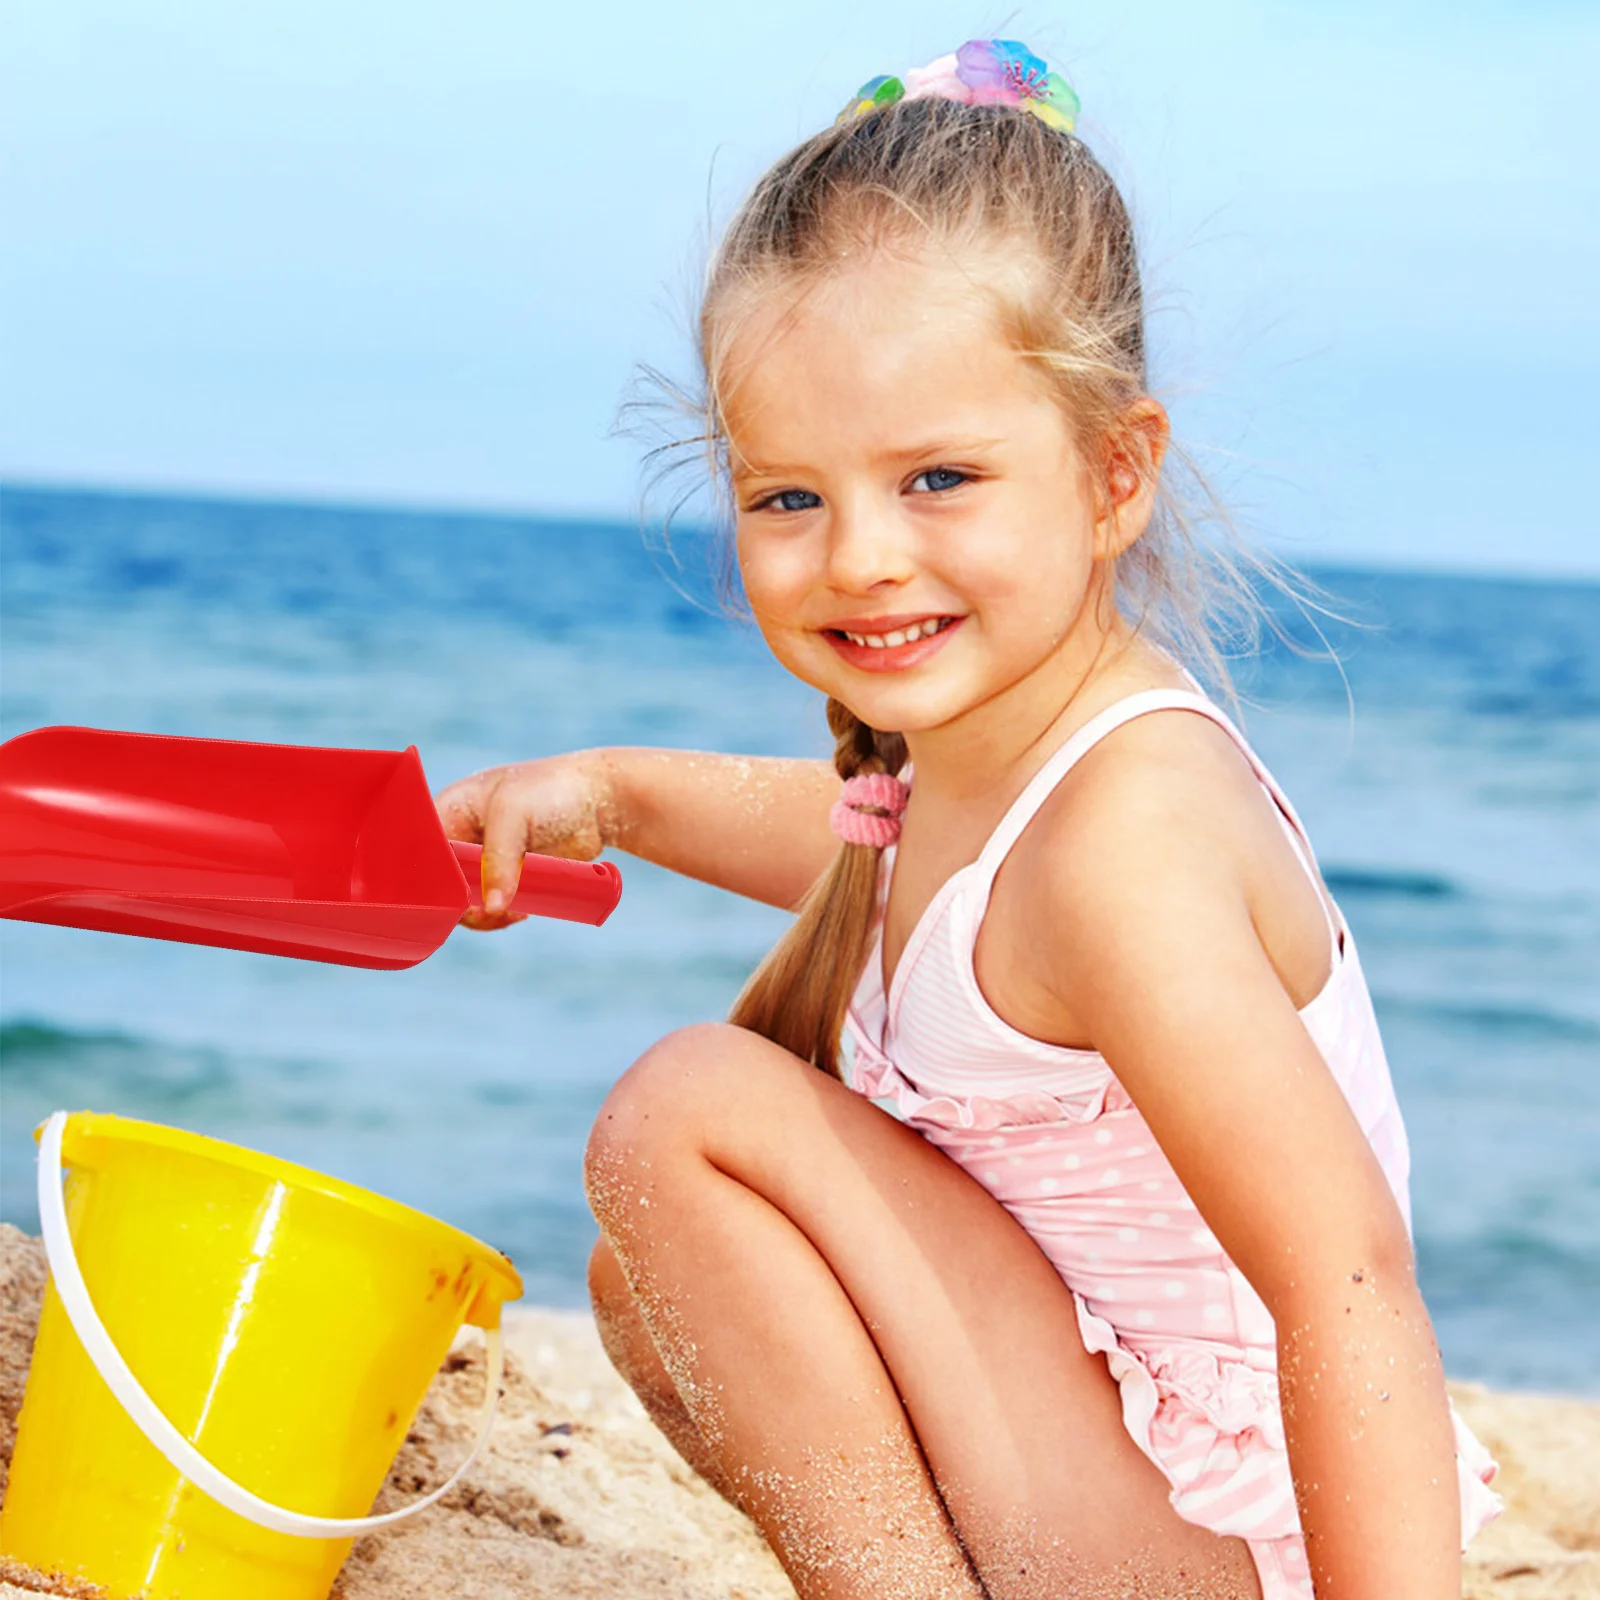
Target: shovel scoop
290, 850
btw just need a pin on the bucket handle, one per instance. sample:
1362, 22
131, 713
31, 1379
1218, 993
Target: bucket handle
73, 1293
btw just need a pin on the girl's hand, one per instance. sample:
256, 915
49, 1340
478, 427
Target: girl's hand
755, 825
557, 806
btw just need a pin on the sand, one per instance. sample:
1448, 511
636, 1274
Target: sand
580, 1497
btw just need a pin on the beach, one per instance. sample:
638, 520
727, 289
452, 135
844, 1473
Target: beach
580, 1497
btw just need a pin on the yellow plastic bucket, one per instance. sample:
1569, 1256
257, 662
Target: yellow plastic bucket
282, 1327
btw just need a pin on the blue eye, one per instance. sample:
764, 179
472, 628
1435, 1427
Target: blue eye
793, 500
937, 479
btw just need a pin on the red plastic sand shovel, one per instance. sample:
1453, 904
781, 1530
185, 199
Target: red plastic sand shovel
329, 855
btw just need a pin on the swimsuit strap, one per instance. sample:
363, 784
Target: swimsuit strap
1108, 721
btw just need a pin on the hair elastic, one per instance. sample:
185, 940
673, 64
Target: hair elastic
983, 72
868, 809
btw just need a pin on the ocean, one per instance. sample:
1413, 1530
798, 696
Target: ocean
1449, 775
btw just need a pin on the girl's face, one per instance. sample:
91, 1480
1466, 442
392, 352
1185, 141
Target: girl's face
916, 528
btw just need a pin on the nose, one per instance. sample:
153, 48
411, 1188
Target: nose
868, 546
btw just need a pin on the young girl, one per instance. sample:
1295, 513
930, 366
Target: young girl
1119, 1300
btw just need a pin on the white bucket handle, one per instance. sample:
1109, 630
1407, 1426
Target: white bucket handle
86, 1323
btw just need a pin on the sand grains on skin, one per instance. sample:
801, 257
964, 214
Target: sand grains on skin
579, 1496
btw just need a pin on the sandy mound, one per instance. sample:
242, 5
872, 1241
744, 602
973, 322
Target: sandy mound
579, 1496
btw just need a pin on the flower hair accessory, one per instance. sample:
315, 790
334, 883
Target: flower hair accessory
868, 810
983, 72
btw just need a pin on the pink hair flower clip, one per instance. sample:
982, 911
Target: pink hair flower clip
983, 72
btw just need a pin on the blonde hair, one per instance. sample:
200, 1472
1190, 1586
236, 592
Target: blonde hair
973, 181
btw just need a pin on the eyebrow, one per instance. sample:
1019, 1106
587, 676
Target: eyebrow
933, 448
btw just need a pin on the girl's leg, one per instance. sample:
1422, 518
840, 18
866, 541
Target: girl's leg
846, 1501
633, 1353
875, 1357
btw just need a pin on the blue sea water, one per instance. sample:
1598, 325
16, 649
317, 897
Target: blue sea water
1454, 796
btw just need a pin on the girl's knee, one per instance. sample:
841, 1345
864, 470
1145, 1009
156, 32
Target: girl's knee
654, 1112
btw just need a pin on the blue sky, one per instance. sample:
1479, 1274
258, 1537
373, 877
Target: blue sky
281, 248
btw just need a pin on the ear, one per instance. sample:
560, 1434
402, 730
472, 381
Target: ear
1131, 468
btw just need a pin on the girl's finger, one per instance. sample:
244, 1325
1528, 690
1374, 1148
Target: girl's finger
505, 837
479, 922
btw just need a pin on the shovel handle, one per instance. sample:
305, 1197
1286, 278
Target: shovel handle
550, 886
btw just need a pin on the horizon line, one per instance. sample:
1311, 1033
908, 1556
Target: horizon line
359, 505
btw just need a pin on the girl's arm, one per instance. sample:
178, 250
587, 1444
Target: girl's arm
757, 825
1150, 932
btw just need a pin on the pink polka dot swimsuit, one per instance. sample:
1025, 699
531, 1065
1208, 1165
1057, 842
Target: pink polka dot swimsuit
1052, 1134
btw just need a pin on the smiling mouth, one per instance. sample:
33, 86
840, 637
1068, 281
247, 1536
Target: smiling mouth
898, 636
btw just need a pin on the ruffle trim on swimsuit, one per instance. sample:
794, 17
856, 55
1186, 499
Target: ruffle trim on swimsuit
1477, 1469
877, 1077
1215, 1429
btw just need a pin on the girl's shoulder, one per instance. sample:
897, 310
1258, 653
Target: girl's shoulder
1166, 821
1169, 779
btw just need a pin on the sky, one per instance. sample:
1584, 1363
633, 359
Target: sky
412, 254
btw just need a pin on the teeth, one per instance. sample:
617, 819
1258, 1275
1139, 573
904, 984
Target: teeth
887, 641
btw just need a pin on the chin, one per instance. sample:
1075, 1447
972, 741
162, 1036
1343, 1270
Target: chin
906, 712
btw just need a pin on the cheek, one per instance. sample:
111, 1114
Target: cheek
776, 575
1032, 585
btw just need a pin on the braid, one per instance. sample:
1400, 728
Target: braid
859, 749
791, 998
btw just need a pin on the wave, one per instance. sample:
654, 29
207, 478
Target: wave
1395, 883
31, 1051
44, 1065
40, 1039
